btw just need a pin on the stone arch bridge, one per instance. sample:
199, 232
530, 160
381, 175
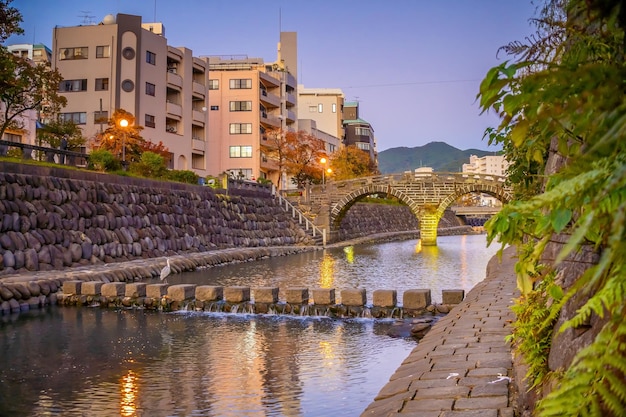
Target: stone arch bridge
427, 195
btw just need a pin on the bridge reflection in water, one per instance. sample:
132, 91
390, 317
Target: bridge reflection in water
98, 362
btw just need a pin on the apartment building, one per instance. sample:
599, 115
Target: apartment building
247, 98
358, 131
489, 165
38, 53
320, 113
25, 128
123, 63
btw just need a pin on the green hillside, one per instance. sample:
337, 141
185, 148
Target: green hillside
438, 155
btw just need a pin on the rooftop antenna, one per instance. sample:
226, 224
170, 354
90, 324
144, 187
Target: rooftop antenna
87, 18
154, 11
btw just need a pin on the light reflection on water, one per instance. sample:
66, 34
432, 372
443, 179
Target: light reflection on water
92, 362
457, 262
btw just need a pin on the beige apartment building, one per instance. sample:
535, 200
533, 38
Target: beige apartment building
323, 106
123, 63
489, 165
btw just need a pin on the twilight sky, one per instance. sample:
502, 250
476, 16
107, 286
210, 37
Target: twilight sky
413, 65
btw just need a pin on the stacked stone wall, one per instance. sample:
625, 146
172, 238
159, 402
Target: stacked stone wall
52, 218
364, 219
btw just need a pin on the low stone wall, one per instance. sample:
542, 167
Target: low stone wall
51, 218
263, 300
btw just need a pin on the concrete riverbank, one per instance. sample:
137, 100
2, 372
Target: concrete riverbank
463, 366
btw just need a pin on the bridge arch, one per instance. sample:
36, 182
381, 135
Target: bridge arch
340, 209
426, 196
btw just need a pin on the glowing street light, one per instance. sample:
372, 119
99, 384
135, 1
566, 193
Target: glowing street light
323, 162
123, 124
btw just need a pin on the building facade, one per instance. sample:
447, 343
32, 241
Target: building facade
123, 63
324, 108
488, 165
247, 98
358, 132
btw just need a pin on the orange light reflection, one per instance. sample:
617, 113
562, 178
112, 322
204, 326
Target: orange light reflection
129, 388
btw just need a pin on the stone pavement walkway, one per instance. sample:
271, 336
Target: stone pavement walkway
463, 366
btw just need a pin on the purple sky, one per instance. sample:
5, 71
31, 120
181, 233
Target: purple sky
413, 65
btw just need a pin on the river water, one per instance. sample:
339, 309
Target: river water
66, 361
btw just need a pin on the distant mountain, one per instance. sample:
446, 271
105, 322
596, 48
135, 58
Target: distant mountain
438, 155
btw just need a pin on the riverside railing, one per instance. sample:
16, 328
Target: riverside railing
302, 219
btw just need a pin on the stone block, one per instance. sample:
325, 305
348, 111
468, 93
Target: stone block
353, 297
236, 294
384, 298
452, 296
72, 287
181, 292
113, 289
297, 295
268, 295
209, 293
416, 299
324, 296
91, 287
136, 290
156, 290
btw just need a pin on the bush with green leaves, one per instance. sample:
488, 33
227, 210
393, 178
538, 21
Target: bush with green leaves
563, 110
150, 165
188, 177
103, 161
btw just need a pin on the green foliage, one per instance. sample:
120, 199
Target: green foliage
103, 161
53, 133
563, 113
150, 165
188, 177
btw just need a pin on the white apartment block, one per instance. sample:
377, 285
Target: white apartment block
490, 165
123, 63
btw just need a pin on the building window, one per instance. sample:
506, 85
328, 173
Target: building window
240, 106
320, 108
12, 137
240, 174
102, 51
100, 117
240, 152
73, 53
240, 128
66, 86
150, 89
362, 131
102, 84
334, 109
150, 121
215, 107
79, 118
214, 84
240, 83
150, 57
312, 109
363, 145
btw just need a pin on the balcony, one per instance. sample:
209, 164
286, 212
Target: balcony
268, 119
291, 100
174, 109
198, 145
198, 116
269, 99
199, 89
291, 116
174, 79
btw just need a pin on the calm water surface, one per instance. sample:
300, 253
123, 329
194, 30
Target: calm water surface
67, 361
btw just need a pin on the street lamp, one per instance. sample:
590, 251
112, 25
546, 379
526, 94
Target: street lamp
323, 162
123, 124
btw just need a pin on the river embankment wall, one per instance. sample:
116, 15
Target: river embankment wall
53, 218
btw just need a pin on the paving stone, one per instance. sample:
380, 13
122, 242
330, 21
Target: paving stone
442, 392
490, 390
482, 403
470, 413
429, 404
